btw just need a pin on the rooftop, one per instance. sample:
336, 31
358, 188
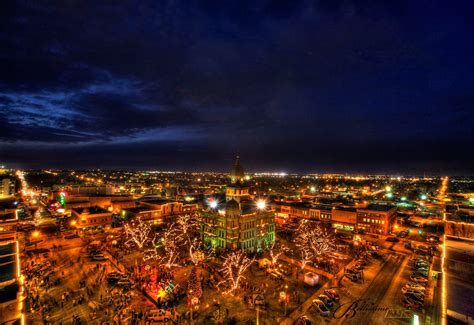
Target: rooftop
139, 209
378, 207
90, 210
158, 201
348, 209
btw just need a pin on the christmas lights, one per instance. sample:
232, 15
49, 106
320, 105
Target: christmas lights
233, 268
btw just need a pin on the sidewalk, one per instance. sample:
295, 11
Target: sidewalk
307, 304
307, 267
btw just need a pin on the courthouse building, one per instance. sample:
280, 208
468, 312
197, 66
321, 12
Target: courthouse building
239, 222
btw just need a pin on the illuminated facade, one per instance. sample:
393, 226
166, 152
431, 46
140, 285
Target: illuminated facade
239, 223
112, 203
159, 210
7, 187
377, 219
344, 218
10, 283
92, 217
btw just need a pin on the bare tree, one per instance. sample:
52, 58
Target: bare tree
275, 252
138, 232
313, 241
233, 268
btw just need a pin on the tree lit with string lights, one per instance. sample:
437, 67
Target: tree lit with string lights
233, 269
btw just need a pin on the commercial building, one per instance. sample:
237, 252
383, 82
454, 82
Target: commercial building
8, 218
239, 222
8, 187
91, 217
159, 210
376, 219
460, 225
90, 190
10, 283
344, 218
291, 212
111, 203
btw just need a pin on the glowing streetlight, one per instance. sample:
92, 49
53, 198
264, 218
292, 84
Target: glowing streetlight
35, 234
73, 223
261, 204
313, 189
213, 204
388, 188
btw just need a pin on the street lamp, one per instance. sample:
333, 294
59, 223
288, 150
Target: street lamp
191, 305
286, 297
35, 235
261, 204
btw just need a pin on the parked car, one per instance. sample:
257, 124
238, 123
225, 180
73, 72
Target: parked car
331, 293
321, 307
418, 265
352, 277
418, 279
410, 303
403, 234
420, 273
159, 315
421, 265
413, 285
99, 257
433, 239
415, 297
361, 261
392, 239
413, 291
326, 300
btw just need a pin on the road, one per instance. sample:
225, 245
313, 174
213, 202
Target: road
377, 290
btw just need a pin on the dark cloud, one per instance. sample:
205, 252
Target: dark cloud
290, 83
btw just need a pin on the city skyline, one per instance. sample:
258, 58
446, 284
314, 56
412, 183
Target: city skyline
326, 87
188, 162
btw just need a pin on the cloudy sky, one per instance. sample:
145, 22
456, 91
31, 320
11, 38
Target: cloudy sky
297, 86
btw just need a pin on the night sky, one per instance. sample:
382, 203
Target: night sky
296, 86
